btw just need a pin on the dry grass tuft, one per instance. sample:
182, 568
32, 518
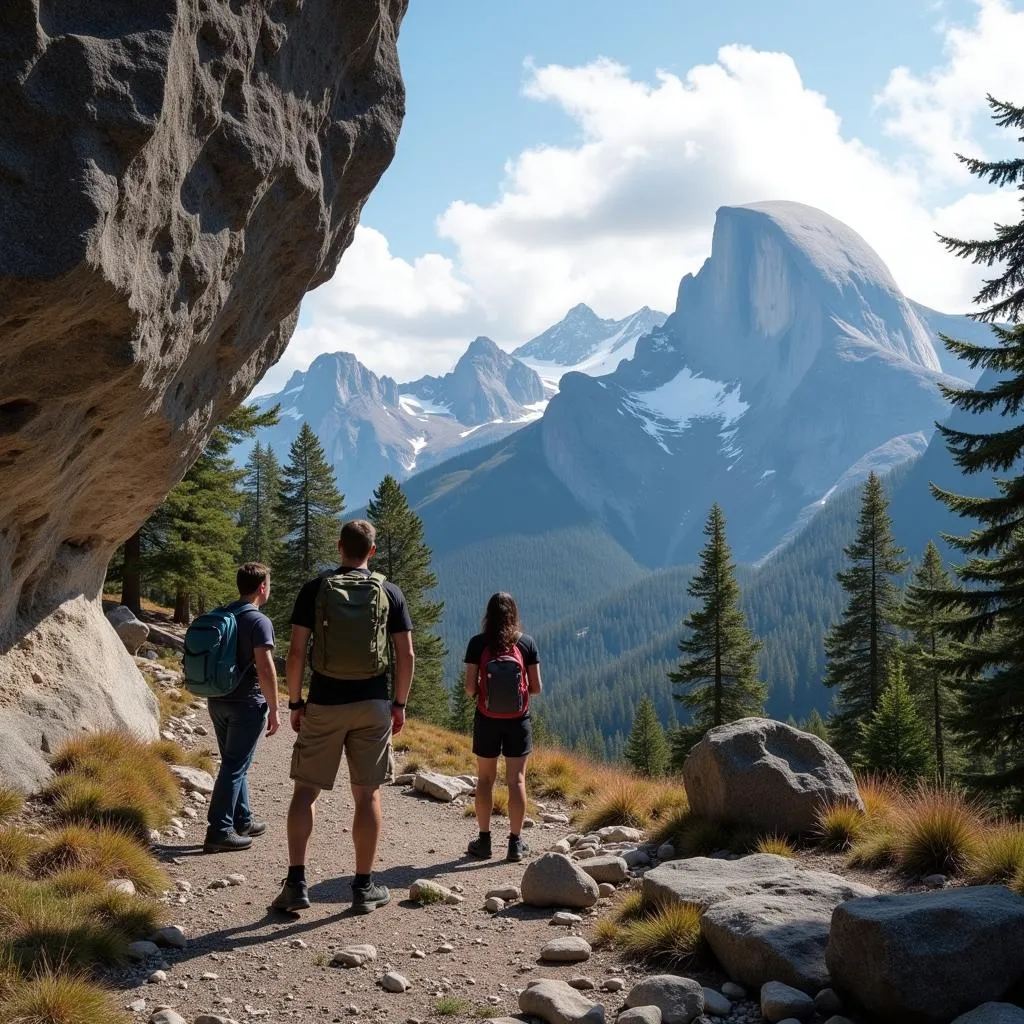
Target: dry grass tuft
630, 907
880, 798
76, 881
625, 802
999, 857
16, 851
606, 932
110, 853
875, 849
57, 999
171, 752
838, 825
776, 844
669, 934
938, 830
11, 803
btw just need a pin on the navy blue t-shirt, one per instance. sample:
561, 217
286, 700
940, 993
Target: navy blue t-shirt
254, 630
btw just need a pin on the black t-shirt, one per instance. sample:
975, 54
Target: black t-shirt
324, 689
254, 630
527, 647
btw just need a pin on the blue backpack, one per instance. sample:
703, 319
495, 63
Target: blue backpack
211, 652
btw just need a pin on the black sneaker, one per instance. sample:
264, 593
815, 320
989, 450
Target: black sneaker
517, 849
225, 842
294, 896
369, 898
480, 847
253, 829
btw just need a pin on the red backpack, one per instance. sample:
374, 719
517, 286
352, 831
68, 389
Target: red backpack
504, 688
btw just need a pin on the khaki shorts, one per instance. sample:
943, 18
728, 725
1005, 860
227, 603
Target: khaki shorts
362, 731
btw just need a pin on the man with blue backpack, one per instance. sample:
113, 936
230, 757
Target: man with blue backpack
229, 659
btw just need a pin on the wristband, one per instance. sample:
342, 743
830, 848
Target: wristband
297, 705
397, 704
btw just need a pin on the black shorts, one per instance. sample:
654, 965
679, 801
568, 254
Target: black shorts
494, 737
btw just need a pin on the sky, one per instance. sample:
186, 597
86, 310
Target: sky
565, 151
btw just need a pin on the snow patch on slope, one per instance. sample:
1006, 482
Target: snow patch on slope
422, 407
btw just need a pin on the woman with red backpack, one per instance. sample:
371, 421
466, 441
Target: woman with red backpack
502, 671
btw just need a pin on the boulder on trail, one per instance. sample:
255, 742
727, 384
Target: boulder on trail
928, 956
132, 631
552, 880
445, 788
681, 1000
194, 780
174, 176
555, 1002
572, 949
766, 775
603, 868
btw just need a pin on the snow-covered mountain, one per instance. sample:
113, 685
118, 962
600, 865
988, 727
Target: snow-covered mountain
791, 365
371, 426
586, 343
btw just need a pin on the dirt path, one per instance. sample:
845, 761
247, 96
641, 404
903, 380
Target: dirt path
247, 963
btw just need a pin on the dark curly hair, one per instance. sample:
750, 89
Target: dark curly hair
501, 622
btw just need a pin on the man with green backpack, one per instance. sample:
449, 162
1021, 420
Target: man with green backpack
348, 620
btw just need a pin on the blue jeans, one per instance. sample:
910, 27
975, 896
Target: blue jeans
238, 725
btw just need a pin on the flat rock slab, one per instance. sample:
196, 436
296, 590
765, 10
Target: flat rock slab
928, 956
680, 1000
354, 956
427, 891
620, 834
758, 939
612, 870
705, 881
993, 1013
766, 775
569, 950
552, 880
557, 1003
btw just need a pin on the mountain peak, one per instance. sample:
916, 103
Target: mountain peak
483, 346
581, 311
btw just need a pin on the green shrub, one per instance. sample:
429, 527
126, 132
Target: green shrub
451, 1006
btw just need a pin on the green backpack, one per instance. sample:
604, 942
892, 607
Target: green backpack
350, 635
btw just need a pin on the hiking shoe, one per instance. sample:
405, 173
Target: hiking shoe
225, 842
294, 896
517, 849
480, 847
369, 898
253, 829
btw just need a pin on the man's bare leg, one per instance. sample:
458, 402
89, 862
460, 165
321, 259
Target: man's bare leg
366, 826
301, 815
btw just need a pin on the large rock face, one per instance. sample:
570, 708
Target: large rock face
922, 957
766, 775
174, 176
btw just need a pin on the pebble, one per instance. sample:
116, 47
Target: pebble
563, 917
298, 944
613, 984
494, 905
136, 1005
158, 977
236, 879
582, 983
508, 893
355, 956
733, 991
827, 1002
219, 883
934, 881
142, 950
182, 885
392, 982
716, 1004
209, 976
125, 885
569, 950
554, 818
606, 889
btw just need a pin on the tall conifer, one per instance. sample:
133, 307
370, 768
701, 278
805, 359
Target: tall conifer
861, 645
986, 617
404, 558
647, 749
719, 669
928, 651
309, 509
261, 492
894, 739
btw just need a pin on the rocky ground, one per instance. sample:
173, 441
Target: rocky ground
241, 961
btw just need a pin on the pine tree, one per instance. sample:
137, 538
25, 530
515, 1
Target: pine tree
986, 617
261, 492
404, 558
860, 646
647, 749
308, 510
894, 740
815, 725
719, 670
929, 650
190, 545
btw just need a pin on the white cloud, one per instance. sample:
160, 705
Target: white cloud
939, 111
616, 217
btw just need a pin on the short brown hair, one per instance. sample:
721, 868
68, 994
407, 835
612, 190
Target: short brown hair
358, 538
250, 577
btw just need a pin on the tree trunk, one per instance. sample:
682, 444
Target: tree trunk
131, 580
183, 608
